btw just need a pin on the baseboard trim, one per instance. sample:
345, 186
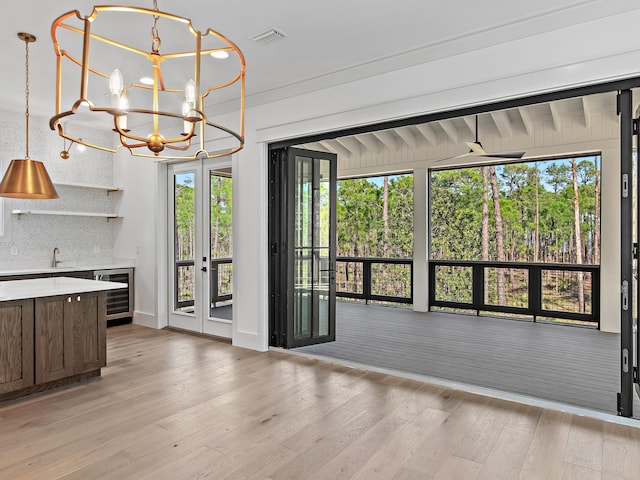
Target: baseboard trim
145, 319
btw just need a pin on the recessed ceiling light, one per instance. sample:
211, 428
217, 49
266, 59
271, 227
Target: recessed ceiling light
220, 54
146, 81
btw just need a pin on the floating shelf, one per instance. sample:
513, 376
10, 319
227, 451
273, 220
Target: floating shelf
107, 188
64, 213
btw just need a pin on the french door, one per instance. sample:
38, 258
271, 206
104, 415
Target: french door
302, 235
200, 246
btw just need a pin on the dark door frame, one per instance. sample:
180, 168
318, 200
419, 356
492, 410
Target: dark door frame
282, 243
625, 397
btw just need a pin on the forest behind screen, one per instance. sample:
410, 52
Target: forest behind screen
546, 211
535, 212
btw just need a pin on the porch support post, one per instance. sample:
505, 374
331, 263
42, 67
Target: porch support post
420, 240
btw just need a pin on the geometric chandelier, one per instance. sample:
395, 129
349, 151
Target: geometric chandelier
156, 94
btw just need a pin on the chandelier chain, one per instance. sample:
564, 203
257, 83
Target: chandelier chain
155, 39
26, 92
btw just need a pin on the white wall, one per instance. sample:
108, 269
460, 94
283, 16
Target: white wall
582, 54
136, 236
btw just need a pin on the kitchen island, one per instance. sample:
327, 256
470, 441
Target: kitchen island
52, 333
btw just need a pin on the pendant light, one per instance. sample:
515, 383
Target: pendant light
27, 178
161, 102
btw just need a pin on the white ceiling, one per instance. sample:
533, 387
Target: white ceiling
329, 42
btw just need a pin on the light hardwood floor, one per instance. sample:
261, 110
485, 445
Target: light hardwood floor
175, 406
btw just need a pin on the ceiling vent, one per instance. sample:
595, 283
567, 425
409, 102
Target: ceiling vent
269, 36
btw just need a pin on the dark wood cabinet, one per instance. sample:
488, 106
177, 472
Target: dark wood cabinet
70, 335
16, 345
86, 313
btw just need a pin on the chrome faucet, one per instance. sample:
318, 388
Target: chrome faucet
55, 261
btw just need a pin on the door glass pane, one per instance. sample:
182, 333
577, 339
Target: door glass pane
322, 230
221, 241
312, 247
303, 264
184, 241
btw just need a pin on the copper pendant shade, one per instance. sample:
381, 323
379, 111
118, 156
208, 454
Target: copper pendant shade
27, 178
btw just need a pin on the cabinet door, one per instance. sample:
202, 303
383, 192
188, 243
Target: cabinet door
53, 339
86, 315
16, 345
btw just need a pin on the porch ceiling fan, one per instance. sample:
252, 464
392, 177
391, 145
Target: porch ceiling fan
477, 150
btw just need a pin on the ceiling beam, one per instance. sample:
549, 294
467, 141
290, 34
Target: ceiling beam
335, 147
471, 124
351, 144
370, 142
387, 139
586, 112
555, 116
450, 129
316, 146
407, 136
428, 134
503, 123
525, 115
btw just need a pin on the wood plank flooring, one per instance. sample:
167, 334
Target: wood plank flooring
176, 406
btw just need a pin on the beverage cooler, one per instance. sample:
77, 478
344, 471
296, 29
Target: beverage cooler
119, 302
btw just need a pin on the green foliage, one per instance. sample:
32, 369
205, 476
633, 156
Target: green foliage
456, 206
360, 222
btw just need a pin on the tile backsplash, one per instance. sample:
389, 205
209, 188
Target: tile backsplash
28, 240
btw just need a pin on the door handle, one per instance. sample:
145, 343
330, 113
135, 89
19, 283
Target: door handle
203, 269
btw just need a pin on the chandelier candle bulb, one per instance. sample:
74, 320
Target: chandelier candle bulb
190, 92
186, 124
123, 106
116, 83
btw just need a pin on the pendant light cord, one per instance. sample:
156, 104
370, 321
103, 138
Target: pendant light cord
26, 92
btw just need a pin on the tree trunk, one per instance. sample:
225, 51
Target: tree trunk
385, 215
536, 235
576, 217
485, 227
596, 218
215, 243
499, 236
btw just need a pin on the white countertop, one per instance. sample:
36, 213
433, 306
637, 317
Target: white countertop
62, 269
49, 287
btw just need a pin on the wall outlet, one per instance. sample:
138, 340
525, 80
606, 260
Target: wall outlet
96, 249
14, 250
